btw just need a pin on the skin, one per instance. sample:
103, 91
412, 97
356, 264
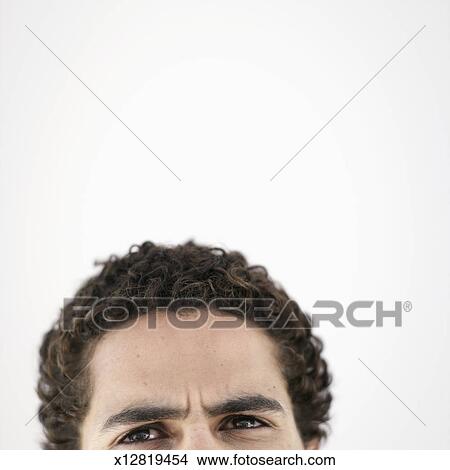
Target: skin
187, 389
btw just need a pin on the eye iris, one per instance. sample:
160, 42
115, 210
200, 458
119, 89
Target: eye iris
246, 423
139, 436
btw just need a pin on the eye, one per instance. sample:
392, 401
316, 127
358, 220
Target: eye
145, 434
242, 422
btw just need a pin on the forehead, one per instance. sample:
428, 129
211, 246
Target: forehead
167, 363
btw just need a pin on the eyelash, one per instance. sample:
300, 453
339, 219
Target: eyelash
155, 426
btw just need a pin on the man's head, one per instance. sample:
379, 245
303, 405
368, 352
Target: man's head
227, 374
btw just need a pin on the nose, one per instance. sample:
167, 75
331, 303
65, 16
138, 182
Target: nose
199, 437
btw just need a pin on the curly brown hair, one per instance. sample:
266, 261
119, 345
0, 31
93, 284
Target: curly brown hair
188, 270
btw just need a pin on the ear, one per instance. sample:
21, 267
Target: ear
313, 444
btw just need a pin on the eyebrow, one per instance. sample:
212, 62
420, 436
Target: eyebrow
245, 403
239, 404
138, 414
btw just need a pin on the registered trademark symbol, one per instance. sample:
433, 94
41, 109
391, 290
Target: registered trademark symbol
407, 306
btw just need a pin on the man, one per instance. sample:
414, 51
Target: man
184, 347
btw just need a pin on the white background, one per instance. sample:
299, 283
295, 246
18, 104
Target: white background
343, 459
225, 93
